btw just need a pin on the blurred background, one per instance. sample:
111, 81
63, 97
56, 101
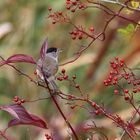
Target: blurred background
24, 26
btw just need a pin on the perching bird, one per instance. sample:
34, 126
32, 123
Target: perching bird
48, 67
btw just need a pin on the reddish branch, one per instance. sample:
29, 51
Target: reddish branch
52, 94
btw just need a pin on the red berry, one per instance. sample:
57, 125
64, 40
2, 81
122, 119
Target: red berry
63, 71
74, 76
127, 74
73, 10
134, 84
68, 7
50, 9
91, 29
65, 77
83, 6
108, 80
126, 77
105, 81
60, 13
15, 99
116, 72
59, 78
129, 81
117, 63
115, 78
77, 86
75, 32
106, 84
114, 66
94, 104
135, 90
53, 22
80, 6
126, 98
114, 82
122, 61
68, 2
111, 72
117, 58
126, 91
22, 101
72, 107
97, 112
35, 72
70, 97
121, 64
80, 37
74, 2
19, 102
110, 76
111, 62
116, 91
138, 82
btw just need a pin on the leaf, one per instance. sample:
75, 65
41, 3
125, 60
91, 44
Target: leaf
22, 117
135, 4
123, 31
21, 58
18, 58
44, 49
128, 30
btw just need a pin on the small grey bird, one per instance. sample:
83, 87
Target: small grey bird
48, 67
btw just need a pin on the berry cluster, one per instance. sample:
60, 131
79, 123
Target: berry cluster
74, 5
48, 137
18, 101
120, 72
56, 16
64, 76
98, 110
76, 34
60, 17
80, 33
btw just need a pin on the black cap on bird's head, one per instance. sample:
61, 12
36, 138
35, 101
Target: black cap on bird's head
49, 50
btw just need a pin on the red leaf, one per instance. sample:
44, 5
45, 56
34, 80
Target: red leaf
44, 49
21, 58
22, 117
18, 58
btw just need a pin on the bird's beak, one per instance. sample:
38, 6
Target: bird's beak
60, 50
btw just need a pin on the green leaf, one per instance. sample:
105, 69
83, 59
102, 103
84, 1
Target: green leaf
130, 28
123, 31
127, 30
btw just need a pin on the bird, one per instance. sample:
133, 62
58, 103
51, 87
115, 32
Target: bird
47, 68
